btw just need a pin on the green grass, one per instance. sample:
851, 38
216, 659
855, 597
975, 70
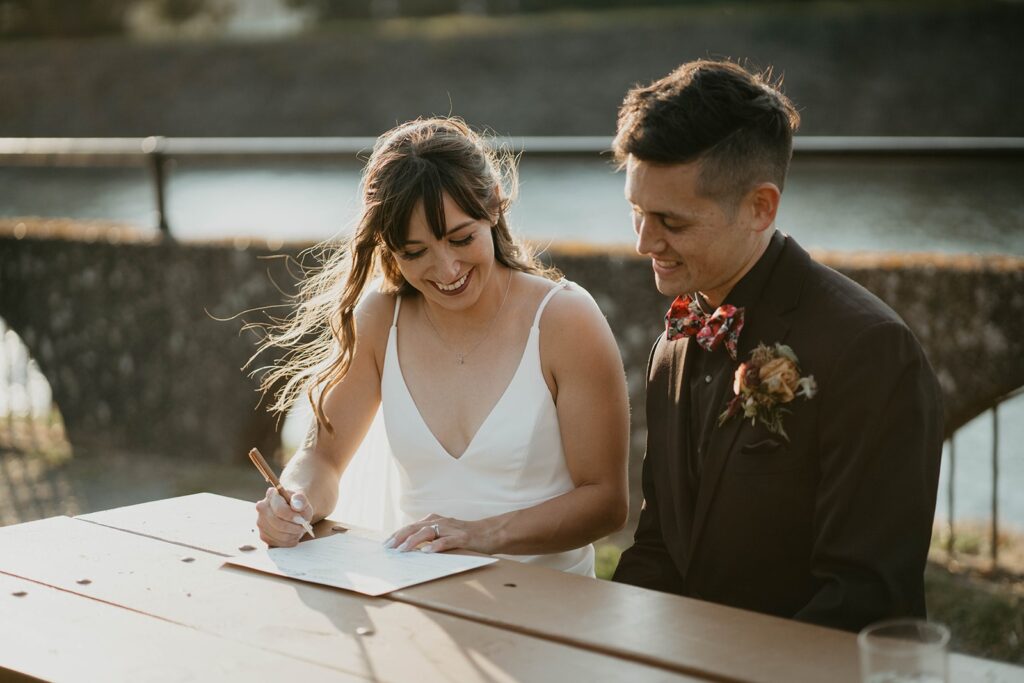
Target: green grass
607, 559
985, 616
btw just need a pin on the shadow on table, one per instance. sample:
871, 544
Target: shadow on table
431, 639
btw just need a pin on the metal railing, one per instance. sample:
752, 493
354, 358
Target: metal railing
951, 483
155, 152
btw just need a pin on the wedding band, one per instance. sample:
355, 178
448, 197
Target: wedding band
437, 530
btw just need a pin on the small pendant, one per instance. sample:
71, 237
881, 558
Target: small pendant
460, 359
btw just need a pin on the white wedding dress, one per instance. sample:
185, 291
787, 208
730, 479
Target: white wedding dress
515, 460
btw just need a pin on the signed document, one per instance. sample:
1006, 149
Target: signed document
357, 564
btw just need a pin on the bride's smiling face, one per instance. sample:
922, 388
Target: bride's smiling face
453, 271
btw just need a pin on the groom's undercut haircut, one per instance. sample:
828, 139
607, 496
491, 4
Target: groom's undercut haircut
736, 123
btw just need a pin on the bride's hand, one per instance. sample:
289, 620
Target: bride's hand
439, 534
279, 523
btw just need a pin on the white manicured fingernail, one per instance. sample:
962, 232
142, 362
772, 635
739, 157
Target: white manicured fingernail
404, 547
298, 519
428, 548
296, 504
390, 543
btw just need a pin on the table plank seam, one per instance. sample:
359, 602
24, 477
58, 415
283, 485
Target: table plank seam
522, 630
69, 591
572, 642
203, 631
155, 538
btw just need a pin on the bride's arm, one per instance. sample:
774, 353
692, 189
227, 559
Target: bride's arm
582, 364
315, 469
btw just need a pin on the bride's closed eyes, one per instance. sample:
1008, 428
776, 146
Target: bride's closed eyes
464, 242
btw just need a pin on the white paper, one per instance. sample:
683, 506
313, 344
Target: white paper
357, 564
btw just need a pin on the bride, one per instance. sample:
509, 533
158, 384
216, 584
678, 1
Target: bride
501, 388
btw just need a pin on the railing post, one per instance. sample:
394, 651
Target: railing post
951, 540
153, 148
995, 485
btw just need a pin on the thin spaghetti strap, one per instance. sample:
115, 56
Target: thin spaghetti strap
398, 306
559, 286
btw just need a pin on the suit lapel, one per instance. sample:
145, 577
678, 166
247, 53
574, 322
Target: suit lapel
675, 422
767, 323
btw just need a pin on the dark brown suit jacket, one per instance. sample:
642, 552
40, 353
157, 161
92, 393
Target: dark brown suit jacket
831, 527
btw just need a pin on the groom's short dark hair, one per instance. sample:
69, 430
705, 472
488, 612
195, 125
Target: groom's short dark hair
736, 123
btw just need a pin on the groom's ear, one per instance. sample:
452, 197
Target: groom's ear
762, 203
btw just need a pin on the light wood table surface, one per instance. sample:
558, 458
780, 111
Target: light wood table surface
141, 593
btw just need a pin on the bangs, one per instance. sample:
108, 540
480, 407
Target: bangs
427, 184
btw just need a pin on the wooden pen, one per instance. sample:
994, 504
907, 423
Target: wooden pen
268, 474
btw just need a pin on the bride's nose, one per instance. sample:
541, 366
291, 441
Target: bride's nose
447, 267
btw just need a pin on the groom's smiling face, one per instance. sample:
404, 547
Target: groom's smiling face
694, 242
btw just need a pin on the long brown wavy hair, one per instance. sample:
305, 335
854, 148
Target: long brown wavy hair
417, 161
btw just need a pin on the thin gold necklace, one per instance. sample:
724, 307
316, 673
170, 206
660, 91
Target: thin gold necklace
460, 356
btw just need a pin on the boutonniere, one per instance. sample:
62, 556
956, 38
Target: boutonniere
769, 380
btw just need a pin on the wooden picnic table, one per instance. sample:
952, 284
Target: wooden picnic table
141, 593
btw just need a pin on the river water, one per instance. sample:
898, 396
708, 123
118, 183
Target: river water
893, 205
952, 206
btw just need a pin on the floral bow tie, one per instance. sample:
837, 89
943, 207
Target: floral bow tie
686, 319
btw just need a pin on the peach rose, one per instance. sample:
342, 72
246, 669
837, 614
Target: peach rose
781, 378
745, 379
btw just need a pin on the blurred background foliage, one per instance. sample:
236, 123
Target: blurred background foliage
82, 18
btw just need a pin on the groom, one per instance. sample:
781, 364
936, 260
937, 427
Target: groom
794, 423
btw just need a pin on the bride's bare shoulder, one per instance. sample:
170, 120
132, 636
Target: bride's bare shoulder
374, 314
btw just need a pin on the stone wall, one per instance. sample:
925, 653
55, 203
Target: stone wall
129, 329
125, 330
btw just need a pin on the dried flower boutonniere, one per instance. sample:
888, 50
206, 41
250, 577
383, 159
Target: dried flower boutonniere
763, 384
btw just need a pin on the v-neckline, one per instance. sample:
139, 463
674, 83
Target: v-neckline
423, 421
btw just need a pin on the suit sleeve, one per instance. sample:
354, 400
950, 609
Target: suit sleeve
647, 563
880, 444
